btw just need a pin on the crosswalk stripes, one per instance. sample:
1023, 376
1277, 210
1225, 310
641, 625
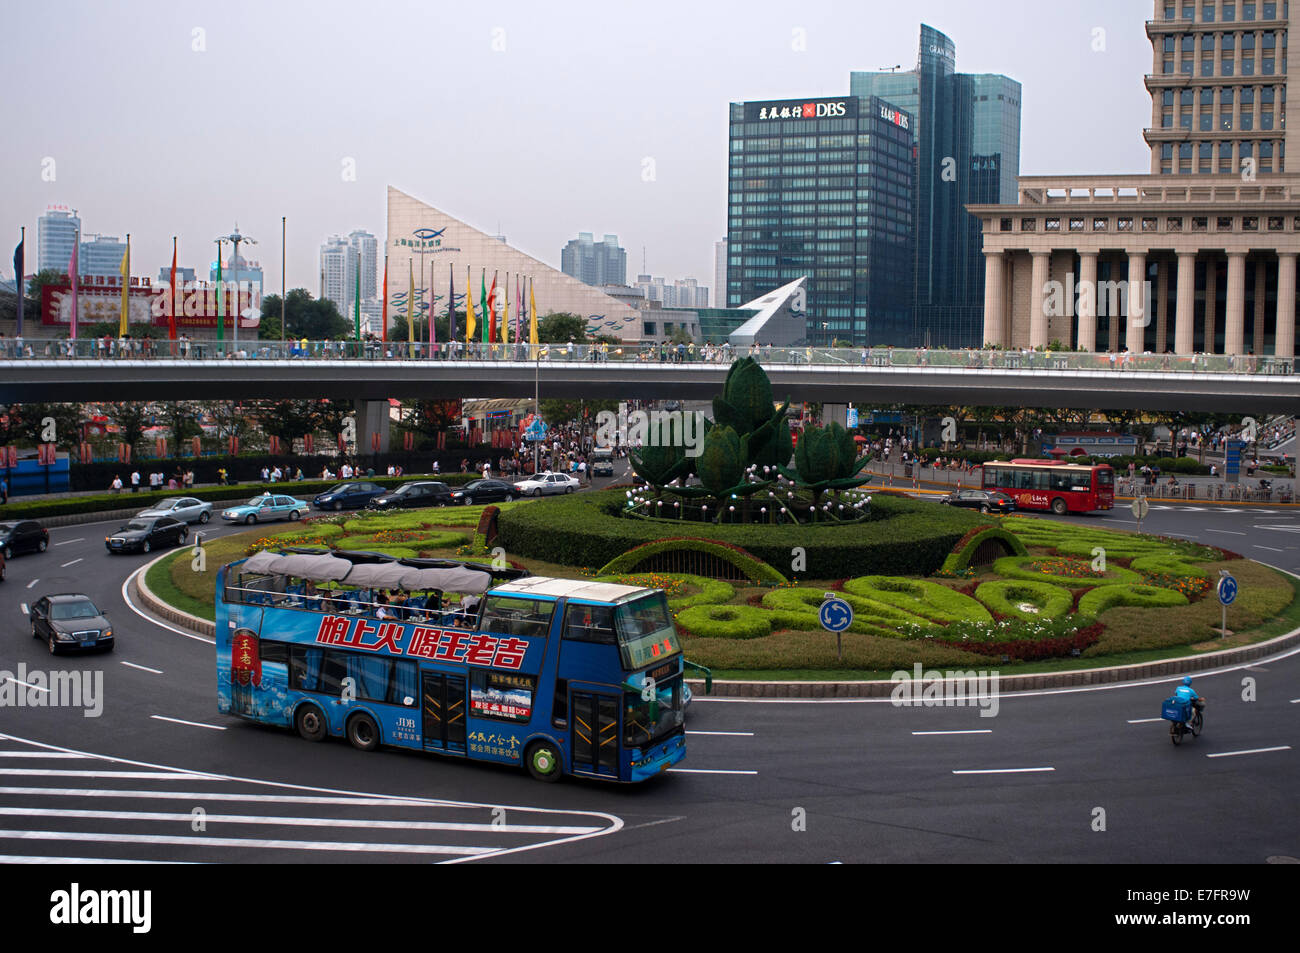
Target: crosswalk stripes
104, 810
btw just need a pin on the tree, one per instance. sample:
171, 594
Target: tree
288, 419
432, 416
557, 411
32, 301
101, 328
305, 317
680, 336
131, 418
181, 418
332, 414
65, 417
561, 328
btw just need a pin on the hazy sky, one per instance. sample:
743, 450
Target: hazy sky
177, 118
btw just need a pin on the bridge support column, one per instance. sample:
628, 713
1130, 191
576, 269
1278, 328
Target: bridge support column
1087, 338
835, 413
1185, 313
372, 418
1284, 338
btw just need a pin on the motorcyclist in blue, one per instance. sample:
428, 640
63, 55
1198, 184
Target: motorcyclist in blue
1185, 693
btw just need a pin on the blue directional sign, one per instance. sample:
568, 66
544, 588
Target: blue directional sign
1232, 460
835, 614
1227, 590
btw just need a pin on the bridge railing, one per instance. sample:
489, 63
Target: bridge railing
842, 358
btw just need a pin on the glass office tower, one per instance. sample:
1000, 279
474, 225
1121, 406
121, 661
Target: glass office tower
824, 188
967, 144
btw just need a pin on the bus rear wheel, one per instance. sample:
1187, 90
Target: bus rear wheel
543, 759
363, 733
1058, 506
310, 722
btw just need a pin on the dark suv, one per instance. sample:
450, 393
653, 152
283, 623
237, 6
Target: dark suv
23, 536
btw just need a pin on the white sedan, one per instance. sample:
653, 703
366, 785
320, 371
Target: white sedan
547, 484
184, 508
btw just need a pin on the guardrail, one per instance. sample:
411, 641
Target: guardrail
151, 349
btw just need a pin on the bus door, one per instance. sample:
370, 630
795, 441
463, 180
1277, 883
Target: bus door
595, 732
443, 708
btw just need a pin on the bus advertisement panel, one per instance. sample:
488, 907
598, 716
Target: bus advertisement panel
535, 675
1053, 485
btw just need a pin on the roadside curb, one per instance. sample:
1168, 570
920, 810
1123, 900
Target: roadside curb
158, 607
1009, 683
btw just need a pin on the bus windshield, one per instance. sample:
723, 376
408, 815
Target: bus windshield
643, 724
645, 631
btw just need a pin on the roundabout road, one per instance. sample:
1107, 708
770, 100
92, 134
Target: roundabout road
159, 774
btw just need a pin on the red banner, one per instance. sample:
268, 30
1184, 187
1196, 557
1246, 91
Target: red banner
307, 443
160, 447
11, 455
408, 441
84, 453
99, 298
274, 445
343, 445
234, 446
124, 453
45, 454
197, 446
245, 659
374, 442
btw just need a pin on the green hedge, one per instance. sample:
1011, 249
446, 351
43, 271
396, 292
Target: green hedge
1167, 564
712, 591
1004, 597
798, 609
930, 600
726, 622
1014, 567
964, 551
1098, 600
755, 570
902, 536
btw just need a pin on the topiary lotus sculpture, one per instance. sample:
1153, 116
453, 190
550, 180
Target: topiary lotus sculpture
746, 406
722, 470
660, 465
826, 459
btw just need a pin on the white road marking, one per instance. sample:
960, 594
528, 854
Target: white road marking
150, 619
33, 582
967, 731
1143, 721
1226, 532
706, 771
40, 754
1269, 548
1295, 701
249, 842
79, 539
10, 678
738, 734
72, 563
194, 724
1229, 754
24, 608
27, 859
1002, 770
144, 668
132, 775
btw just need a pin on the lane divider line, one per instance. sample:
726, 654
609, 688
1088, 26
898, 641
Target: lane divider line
33, 582
79, 539
195, 724
735, 734
1001, 770
706, 771
73, 563
144, 668
966, 731
1230, 754
1143, 721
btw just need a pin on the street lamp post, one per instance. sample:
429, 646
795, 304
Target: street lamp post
235, 238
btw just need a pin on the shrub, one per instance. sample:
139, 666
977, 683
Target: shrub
725, 622
1097, 601
1167, 565
712, 591
797, 608
1006, 596
755, 570
964, 551
930, 600
1074, 573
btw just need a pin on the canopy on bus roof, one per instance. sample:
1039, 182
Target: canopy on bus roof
318, 567
326, 567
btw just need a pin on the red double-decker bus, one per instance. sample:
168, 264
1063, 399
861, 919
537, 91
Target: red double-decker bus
1053, 485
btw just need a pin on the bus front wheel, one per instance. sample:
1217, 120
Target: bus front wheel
363, 733
310, 722
1058, 506
543, 760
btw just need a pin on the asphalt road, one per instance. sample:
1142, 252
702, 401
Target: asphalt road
159, 774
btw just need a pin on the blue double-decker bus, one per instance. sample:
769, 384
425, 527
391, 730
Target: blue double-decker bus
562, 676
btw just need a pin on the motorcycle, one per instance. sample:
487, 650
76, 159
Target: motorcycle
1183, 717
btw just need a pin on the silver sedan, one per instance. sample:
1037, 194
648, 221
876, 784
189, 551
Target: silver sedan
184, 508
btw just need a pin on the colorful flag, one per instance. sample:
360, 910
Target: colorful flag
505, 311
432, 333
19, 267
469, 309
72, 273
483, 301
171, 312
451, 303
126, 282
519, 310
356, 299
383, 319
410, 301
532, 314
221, 297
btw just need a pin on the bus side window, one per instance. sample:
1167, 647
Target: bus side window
273, 651
560, 704
589, 624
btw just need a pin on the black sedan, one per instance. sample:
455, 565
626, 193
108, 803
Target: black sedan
145, 535
412, 496
986, 501
23, 536
348, 496
485, 491
70, 620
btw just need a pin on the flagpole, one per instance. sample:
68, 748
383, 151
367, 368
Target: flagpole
283, 330
20, 261
73, 267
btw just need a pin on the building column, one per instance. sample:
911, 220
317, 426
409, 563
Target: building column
1261, 300
1138, 317
1284, 336
1162, 306
372, 418
1087, 301
1185, 311
1038, 297
1210, 324
993, 295
1234, 338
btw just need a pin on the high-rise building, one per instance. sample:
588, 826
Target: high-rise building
366, 246
100, 255
1218, 88
966, 138
183, 275
594, 263
720, 272
334, 272
823, 188
250, 272
56, 233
